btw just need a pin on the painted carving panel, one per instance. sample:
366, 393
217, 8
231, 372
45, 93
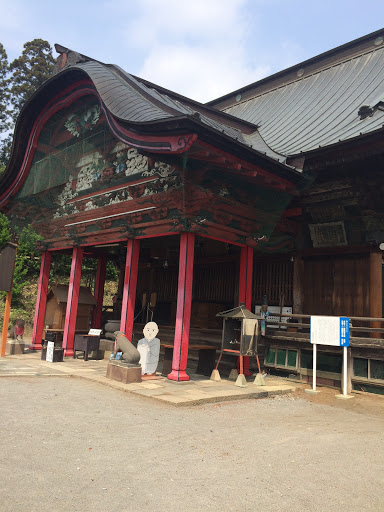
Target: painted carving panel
79, 165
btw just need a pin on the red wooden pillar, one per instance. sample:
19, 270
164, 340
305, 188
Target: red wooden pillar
41, 301
72, 301
245, 276
129, 290
245, 293
99, 292
183, 311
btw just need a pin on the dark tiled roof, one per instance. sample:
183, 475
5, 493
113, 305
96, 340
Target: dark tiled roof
317, 107
133, 101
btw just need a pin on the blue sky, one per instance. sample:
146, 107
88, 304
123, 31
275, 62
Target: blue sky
201, 48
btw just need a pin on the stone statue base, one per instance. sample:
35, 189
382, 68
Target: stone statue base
123, 372
14, 347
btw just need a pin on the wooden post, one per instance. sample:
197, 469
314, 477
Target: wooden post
8, 260
99, 292
7, 310
129, 290
375, 290
298, 290
183, 311
298, 285
72, 301
41, 301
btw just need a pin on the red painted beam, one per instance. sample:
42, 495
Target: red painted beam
129, 290
99, 292
41, 301
245, 295
72, 301
183, 311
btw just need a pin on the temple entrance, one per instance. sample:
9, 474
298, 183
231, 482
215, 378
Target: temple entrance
215, 281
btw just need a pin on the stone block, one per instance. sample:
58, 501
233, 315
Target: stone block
14, 347
97, 354
233, 375
259, 380
241, 381
123, 372
215, 376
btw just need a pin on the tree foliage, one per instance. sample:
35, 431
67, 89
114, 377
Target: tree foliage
4, 92
18, 81
5, 230
29, 72
27, 262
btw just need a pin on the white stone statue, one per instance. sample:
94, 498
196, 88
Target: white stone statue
149, 348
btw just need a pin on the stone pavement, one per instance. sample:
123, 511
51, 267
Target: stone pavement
198, 390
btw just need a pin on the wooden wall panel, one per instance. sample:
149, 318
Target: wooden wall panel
214, 283
337, 286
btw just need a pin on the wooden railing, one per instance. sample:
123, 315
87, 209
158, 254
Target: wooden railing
297, 328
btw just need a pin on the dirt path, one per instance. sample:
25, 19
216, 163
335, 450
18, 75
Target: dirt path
70, 444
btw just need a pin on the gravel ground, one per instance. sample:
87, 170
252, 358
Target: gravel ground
72, 445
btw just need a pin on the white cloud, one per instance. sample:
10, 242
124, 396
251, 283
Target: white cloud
197, 49
198, 72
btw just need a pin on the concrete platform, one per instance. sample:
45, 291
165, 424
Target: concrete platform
198, 390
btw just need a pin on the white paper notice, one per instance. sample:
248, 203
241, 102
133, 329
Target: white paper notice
325, 330
49, 356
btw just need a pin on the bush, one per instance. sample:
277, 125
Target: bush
5, 230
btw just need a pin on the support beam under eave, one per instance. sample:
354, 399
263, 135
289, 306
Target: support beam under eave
41, 301
72, 301
183, 311
99, 292
129, 290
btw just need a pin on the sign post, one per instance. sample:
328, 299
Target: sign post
7, 269
332, 331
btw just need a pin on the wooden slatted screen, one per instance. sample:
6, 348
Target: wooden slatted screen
273, 279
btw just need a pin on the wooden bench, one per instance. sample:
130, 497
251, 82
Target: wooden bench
206, 360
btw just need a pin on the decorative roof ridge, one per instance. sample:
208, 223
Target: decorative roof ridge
331, 58
68, 57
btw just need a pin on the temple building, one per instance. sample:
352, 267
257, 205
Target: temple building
273, 190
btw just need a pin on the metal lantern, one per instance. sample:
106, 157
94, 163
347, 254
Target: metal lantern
240, 332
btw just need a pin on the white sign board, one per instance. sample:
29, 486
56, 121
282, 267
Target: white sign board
94, 332
50, 347
330, 330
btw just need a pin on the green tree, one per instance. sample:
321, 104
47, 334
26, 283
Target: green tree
29, 72
4, 91
18, 81
5, 152
27, 262
5, 230
4, 108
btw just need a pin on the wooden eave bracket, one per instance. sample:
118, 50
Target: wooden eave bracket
231, 163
